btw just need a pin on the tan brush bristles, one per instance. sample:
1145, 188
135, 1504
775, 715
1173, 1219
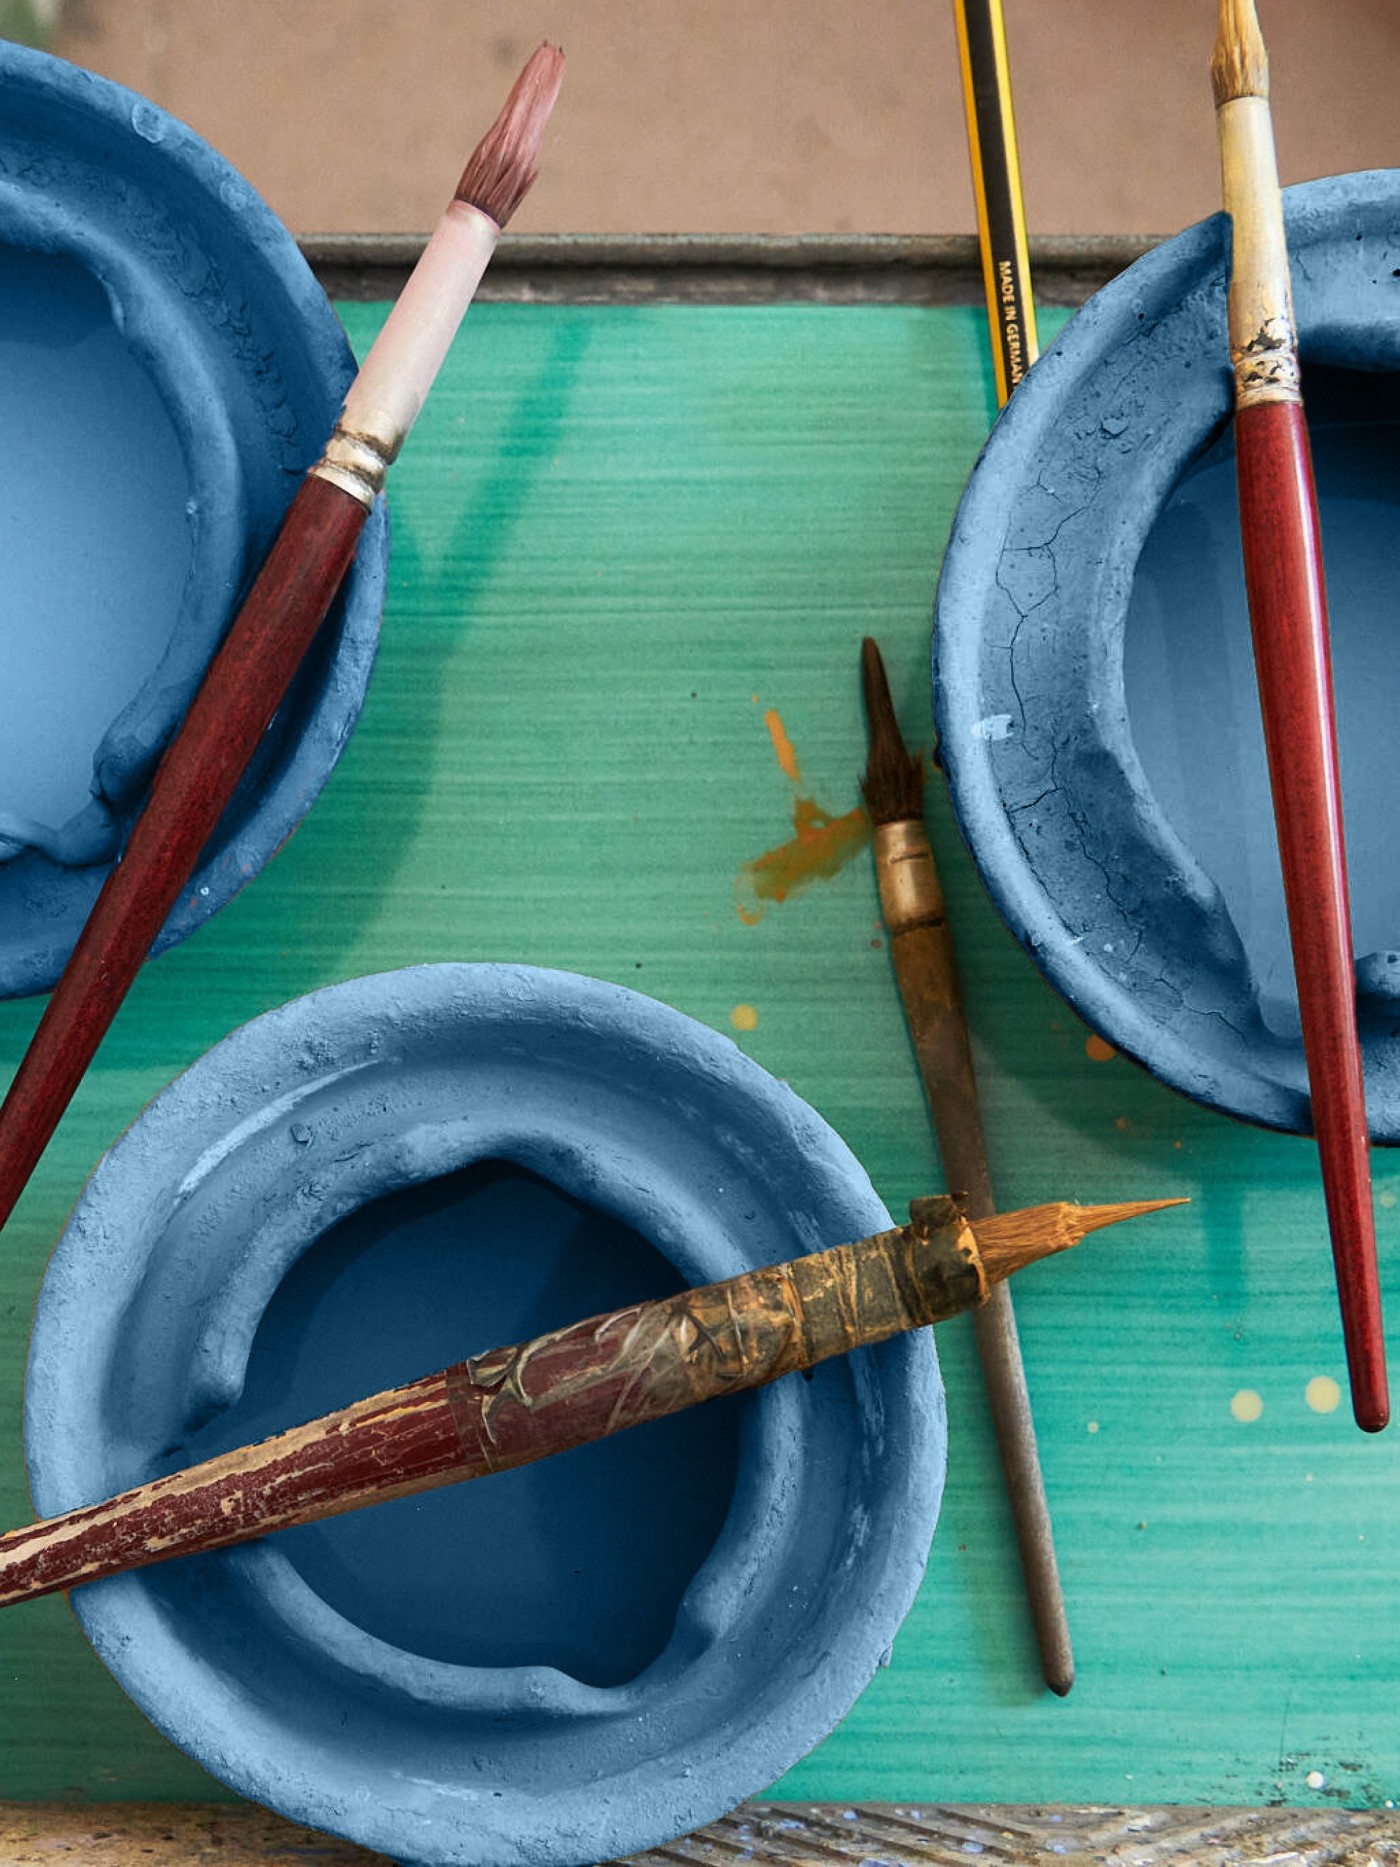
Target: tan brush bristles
1239, 66
1008, 1240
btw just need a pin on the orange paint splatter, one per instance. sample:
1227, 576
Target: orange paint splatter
744, 1018
1100, 1051
782, 745
822, 846
819, 846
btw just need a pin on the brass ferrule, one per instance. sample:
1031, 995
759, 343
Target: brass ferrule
358, 460
910, 893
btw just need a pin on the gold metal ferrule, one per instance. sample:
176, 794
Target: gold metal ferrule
358, 460
910, 894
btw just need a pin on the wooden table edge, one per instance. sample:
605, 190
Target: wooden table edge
783, 1834
698, 268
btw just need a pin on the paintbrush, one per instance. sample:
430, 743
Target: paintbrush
1288, 618
562, 1390
926, 968
275, 627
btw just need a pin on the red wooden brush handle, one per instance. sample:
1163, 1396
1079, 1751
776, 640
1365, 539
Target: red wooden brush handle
1288, 612
199, 773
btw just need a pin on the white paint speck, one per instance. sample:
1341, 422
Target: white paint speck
995, 726
1316, 1780
148, 123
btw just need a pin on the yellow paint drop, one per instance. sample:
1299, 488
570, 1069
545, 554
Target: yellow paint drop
1387, 1198
744, 1018
1323, 1394
1247, 1405
1099, 1051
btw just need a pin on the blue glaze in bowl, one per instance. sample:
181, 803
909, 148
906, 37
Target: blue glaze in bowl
562, 1664
1093, 675
168, 369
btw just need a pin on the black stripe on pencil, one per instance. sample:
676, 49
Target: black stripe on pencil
996, 177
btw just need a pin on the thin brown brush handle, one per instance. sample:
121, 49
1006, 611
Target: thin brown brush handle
925, 962
1288, 615
242, 689
515, 1405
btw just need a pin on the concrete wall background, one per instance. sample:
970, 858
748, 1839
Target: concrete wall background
738, 115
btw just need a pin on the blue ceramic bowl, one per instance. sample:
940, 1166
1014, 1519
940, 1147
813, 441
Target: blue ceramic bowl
1093, 675
560, 1664
168, 369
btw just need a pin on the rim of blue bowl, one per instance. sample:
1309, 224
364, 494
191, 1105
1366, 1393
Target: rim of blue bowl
1060, 465
213, 305
645, 1114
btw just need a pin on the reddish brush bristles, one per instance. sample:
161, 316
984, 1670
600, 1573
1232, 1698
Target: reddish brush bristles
502, 166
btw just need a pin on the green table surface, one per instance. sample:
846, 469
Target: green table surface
634, 551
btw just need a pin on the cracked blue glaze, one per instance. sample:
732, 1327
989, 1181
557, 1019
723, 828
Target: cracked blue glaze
564, 1664
169, 368
1093, 677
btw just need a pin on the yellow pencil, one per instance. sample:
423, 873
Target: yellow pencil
996, 179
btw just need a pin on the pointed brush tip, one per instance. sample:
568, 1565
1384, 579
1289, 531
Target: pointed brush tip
885, 735
875, 682
893, 784
502, 167
1094, 1218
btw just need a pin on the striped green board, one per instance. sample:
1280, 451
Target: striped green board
635, 550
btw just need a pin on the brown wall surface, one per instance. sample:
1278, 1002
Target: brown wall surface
739, 115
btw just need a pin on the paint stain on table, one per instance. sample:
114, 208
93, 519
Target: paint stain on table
820, 846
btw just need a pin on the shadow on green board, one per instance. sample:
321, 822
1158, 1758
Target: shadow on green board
358, 870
